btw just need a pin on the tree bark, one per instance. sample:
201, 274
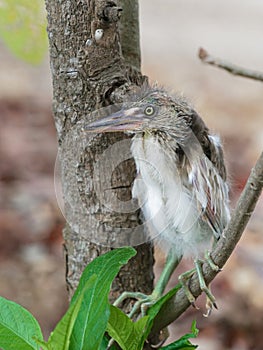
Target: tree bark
89, 71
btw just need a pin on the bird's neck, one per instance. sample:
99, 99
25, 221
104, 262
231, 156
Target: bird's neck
154, 153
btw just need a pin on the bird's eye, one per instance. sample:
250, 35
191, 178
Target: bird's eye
149, 110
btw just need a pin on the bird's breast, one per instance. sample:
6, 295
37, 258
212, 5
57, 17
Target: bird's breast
158, 185
169, 208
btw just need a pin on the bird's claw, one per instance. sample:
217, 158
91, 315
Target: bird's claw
142, 304
210, 262
183, 278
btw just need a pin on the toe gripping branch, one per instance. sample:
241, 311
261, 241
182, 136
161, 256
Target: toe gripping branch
184, 278
141, 305
143, 301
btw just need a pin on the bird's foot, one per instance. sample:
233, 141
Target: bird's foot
183, 278
141, 305
210, 262
210, 299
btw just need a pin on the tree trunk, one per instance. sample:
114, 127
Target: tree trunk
91, 71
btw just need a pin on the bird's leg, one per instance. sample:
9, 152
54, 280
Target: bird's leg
210, 299
145, 301
183, 278
171, 263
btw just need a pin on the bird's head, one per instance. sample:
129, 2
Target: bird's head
152, 111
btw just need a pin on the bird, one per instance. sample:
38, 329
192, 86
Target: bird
183, 190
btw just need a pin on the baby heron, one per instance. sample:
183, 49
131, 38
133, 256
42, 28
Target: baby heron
182, 190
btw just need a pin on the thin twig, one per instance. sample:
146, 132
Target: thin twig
231, 68
225, 246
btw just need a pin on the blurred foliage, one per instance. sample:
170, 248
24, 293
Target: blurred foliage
23, 28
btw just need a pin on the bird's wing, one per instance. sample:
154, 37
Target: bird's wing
207, 177
206, 173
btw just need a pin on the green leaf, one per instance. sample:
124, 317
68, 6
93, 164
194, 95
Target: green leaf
23, 28
132, 335
91, 322
183, 343
104, 343
60, 337
18, 327
44, 345
124, 331
154, 310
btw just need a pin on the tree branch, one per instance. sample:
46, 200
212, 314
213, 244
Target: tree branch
225, 246
231, 68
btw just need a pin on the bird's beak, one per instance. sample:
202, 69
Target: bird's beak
122, 120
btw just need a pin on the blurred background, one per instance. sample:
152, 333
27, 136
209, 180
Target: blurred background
31, 259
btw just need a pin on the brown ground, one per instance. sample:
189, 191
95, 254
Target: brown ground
31, 261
